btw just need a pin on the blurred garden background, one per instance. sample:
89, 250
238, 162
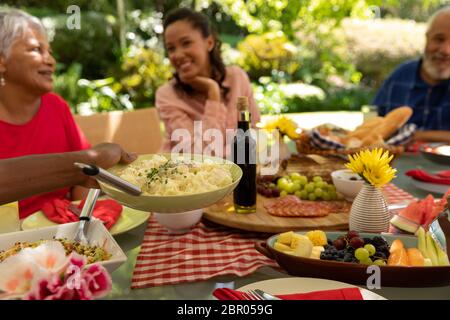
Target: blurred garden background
301, 55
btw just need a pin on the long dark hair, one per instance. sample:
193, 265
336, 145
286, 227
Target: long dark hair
201, 23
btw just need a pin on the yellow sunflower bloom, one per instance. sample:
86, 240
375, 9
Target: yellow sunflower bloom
284, 125
373, 166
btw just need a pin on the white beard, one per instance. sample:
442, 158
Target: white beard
432, 71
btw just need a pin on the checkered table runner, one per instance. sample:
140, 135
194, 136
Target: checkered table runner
203, 253
394, 194
207, 251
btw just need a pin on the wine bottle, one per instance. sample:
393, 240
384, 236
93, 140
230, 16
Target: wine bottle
244, 155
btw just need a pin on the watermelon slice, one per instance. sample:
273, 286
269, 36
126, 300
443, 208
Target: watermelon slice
410, 218
428, 205
432, 214
418, 213
443, 201
404, 224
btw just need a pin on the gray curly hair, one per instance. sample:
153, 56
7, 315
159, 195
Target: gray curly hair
13, 23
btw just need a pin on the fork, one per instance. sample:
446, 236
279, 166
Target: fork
85, 216
252, 295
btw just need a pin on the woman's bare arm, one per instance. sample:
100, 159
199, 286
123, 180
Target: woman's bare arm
25, 176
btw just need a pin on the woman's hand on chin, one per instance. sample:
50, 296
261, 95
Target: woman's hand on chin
204, 85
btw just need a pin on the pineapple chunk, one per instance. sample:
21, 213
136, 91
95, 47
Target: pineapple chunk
317, 237
298, 239
281, 247
316, 251
302, 246
285, 238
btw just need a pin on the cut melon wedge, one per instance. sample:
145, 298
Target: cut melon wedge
404, 224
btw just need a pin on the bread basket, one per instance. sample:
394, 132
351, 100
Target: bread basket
304, 146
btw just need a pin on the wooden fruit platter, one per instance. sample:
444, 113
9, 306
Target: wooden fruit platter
223, 213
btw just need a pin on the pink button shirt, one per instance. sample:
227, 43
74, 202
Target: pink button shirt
177, 109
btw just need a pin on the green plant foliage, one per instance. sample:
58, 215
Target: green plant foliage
337, 99
95, 46
66, 85
268, 54
102, 96
261, 16
418, 10
269, 98
144, 70
60, 6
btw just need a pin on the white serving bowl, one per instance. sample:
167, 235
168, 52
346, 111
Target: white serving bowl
347, 183
97, 235
180, 222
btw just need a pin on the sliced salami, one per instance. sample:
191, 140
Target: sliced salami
292, 206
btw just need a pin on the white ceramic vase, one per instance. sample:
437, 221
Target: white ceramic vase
284, 152
369, 212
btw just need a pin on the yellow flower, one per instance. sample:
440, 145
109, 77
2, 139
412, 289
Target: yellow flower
284, 125
373, 166
378, 176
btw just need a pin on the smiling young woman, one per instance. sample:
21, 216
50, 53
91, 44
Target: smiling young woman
33, 120
203, 89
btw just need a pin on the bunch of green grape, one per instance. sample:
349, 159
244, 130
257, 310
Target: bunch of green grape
299, 185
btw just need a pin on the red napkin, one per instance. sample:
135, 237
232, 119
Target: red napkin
61, 211
336, 294
444, 174
440, 178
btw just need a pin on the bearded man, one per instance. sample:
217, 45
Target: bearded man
424, 84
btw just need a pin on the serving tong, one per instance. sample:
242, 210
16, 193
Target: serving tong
109, 178
85, 216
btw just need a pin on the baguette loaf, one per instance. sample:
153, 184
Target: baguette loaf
394, 120
371, 123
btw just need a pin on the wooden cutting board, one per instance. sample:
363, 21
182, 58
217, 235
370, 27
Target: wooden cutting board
223, 213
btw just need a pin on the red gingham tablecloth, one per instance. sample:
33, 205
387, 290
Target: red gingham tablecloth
394, 194
207, 251
201, 254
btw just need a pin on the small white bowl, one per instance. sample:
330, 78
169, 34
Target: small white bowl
347, 183
181, 222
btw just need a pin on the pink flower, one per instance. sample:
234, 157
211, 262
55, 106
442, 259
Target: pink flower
45, 273
75, 283
98, 280
45, 287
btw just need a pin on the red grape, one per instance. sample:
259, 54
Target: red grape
339, 244
356, 242
352, 234
268, 178
267, 193
276, 192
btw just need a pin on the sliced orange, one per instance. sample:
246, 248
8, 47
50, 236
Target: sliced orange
396, 245
398, 255
415, 257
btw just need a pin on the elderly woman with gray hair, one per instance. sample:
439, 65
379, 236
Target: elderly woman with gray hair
33, 120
